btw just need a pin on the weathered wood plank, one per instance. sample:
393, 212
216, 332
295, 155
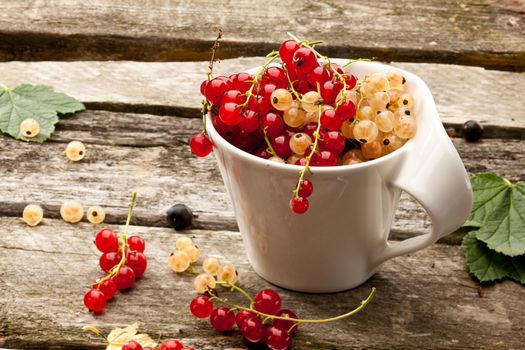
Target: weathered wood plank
148, 153
487, 33
461, 93
422, 300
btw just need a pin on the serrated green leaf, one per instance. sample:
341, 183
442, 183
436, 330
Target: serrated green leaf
488, 193
487, 265
37, 102
503, 229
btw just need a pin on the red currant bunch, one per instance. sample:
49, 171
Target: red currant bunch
122, 260
300, 108
264, 322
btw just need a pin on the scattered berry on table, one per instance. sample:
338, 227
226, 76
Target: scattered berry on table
132, 345
201, 307
267, 301
253, 330
228, 273
137, 262
472, 130
179, 261
29, 128
71, 211
136, 243
95, 300
124, 278
211, 265
96, 214
32, 214
184, 243
278, 339
222, 319
179, 216
171, 344
106, 241
204, 282
284, 324
201, 145
75, 151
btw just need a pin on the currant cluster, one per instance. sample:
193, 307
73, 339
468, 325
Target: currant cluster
122, 260
70, 211
168, 344
264, 322
302, 109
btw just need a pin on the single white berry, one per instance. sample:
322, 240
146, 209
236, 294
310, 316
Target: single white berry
95, 214
183, 242
75, 151
211, 265
71, 211
29, 128
227, 274
32, 214
203, 282
193, 252
179, 261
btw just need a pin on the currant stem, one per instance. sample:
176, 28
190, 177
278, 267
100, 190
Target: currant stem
249, 94
298, 320
214, 49
236, 288
270, 148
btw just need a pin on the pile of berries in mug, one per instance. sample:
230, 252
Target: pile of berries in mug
305, 110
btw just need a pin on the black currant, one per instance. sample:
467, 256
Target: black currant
472, 130
179, 216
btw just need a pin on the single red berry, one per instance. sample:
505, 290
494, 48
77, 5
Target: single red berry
307, 187
267, 89
273, 124
262, 152
333, 141
203, 87
324, 158
289, 326
253, 330
215, 89
346, 110
276, 76
278, 339
330, 90
330, 120
301, 162
304, 61
95, 300
222, 319
350, 80
243, 140
242, 82
267, 301
230, 113
281, 146
109, 260
299, 205
201, 307
233, 96
132, 345
136, 243
287, 50
106, 241
242, 315
309, 129
249, 121
108, 287
201, 145
171, 344
124, 278
319, 74
138, 262
260, 104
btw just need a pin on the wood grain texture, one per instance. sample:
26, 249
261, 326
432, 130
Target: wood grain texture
148, 153
461, 93
423, 300
487, 33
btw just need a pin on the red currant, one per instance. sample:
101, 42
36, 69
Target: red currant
260, 104
281, 146
276, 76
201, 145
222, 319
262, 152
330, 90
286, 325
333, 141
106, 241
109, 260
242, 82
249, 121
350, 80
253, 330
132, 345
324, 158
287, 50
306, 188
215, 89
319, 74
230, 113
243, 140
171, 344
330, 120
108, 287
267, 301
203, 87
138, 262
95, 301
278, 339
136, 243
304, 61
273, 124
201, 307
233, 96
242, 315
124, 278
346, 110
267, 89
299, 205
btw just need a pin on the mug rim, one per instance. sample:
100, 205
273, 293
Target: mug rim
216, 137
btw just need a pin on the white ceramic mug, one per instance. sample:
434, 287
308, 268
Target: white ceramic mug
342, 239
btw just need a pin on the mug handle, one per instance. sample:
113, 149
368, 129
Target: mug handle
435, 176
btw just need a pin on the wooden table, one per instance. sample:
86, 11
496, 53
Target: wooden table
141, 114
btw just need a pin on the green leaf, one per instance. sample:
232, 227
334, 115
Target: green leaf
37, 102
488, 265
498, 211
